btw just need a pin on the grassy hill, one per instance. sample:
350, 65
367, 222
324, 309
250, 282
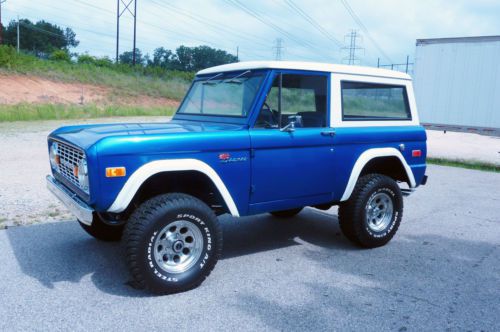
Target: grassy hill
125, 88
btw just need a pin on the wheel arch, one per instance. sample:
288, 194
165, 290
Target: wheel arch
387, 161
188, 176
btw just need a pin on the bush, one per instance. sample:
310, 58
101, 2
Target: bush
104, 62
7, 56
86, 59
124, 80
60, 55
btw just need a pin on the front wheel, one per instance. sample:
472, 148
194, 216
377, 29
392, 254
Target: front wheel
373, 213
173, 242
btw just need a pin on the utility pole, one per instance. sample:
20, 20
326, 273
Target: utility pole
135, 29
353, 47
1, 32
278, 49
117, 29
126, 7
18, 37
237, 54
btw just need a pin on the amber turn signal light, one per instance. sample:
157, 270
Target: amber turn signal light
114, 172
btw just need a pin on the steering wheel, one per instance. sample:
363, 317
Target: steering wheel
267, 108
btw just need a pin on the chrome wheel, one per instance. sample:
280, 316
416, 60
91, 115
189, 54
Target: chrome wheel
379, 210
178, 246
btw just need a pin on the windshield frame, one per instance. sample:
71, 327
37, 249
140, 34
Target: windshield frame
239, 119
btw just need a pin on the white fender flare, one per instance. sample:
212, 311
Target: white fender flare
368, 155
135, 181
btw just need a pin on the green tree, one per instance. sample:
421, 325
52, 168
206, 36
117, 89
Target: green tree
199, 57
163, 58
40, 38
128, 57
190, 58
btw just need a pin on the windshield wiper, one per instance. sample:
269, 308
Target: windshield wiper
207, 82
234, 79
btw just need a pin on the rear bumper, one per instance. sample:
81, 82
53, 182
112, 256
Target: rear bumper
76, 206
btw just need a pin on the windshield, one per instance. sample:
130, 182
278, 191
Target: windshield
227, 94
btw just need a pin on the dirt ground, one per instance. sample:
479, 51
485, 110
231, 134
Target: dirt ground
16, 89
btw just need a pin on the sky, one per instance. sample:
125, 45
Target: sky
310, 30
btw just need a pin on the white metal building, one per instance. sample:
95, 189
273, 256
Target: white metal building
457, 82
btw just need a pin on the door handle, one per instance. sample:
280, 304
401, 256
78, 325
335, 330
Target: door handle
330, 133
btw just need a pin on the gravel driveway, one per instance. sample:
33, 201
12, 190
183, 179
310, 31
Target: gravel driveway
24, 164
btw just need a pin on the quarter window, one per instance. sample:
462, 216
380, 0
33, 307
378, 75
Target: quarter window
369, 101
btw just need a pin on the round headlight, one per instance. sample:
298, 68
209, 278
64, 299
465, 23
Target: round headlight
83, 174
54, 155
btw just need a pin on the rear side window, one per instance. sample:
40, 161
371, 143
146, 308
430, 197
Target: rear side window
370, 101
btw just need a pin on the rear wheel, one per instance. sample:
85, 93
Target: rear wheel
102, 231
173, 242
374, 211
286, 213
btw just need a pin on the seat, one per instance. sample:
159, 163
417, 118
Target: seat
313, 119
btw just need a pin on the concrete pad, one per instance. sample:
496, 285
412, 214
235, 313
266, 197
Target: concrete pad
463, 146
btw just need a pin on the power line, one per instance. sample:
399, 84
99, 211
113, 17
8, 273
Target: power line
364, 28
208, 23
100, 34
112, 38
32, 27
267, 22
217, 26
313, 22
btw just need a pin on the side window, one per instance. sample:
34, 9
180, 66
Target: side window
301, 95
370, 101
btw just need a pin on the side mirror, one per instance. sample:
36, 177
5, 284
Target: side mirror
293, 121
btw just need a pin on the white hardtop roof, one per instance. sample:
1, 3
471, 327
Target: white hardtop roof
307, 66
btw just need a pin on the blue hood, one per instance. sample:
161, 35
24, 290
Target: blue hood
85, 136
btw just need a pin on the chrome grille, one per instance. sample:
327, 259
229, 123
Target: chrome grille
70, 157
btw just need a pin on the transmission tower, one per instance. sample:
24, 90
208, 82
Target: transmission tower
119, 13
278, 49
353, 48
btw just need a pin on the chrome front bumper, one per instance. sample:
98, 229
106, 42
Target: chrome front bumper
76, 206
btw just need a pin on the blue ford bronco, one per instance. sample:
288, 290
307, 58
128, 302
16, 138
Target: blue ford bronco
248, 138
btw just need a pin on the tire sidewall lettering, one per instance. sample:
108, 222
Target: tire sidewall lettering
202, 261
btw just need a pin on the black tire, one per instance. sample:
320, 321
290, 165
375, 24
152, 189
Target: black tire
353, 213
286, 213
163, 218
102, 231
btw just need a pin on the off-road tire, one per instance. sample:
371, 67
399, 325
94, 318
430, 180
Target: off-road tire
103, 231
353, 213
283, 214
145, 227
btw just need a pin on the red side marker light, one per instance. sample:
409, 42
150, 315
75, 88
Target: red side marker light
416, 153
224, 156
